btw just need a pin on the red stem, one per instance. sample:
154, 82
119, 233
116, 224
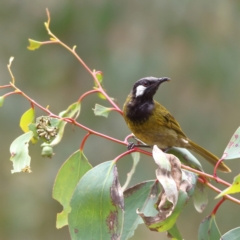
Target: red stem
73, 121
116, 110
217, 206
70, 120
215, 169
127, 137
5, 86
124, 154
109, 99
205, 175
93, 75
86, 94
32, 105
11, 93
84, 140
226, 196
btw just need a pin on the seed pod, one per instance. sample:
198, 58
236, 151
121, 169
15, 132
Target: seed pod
50, 129
53, 134
47, 151
40, 130
42, 134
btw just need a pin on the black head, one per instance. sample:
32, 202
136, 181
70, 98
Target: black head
145, 88
139, 105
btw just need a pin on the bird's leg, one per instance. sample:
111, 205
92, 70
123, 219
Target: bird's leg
132, 145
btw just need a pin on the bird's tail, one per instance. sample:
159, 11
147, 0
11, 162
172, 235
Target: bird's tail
211, 158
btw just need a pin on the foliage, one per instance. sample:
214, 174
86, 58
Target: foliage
95, 206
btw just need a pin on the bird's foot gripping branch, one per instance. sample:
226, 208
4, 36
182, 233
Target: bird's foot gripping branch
95, 205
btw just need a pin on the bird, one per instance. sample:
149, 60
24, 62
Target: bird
152, 124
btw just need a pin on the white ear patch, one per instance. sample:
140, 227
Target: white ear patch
140, 90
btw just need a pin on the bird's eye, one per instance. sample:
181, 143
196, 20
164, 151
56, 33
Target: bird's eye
145, 84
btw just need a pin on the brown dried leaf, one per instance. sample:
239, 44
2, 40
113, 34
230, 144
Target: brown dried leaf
169, 175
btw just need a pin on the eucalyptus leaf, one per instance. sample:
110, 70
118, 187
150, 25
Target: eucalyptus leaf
19, 153
168, 178
99, 76
233, 148
2, 98
208, 229
200, 197
97, 205
34, 44
67, 178
233, 234
234, 188
136, 158
186, 157
174, 233
160, 223
100, 110
26, 119
141, 196
72, 111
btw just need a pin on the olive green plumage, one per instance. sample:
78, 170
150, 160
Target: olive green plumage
152, 123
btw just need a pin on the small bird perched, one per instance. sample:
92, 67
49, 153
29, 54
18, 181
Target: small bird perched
152, 124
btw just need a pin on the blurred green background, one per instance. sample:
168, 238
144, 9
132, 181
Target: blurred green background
195, 43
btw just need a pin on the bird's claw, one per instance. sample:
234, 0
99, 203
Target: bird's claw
131, 145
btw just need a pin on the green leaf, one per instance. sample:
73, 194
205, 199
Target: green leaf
67, 178
32, 127
234, 188
26, 119
97, 205
100, 110
168, 177
177, 187
165, 219
141, 196
19, 153
232, 234
189, 181
136, 158
99, 76
72, 111
61, 125
186, 157
1, 100
100, 95
233, 148
156, 223
200, 197
174, 233
149, 208
208, 229
34, 44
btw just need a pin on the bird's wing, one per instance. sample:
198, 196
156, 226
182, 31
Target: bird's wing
173, 124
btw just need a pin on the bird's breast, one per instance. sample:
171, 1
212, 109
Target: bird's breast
152, 134
148, 123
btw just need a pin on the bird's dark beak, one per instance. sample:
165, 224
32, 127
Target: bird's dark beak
163, 79
158, 82
154, 87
